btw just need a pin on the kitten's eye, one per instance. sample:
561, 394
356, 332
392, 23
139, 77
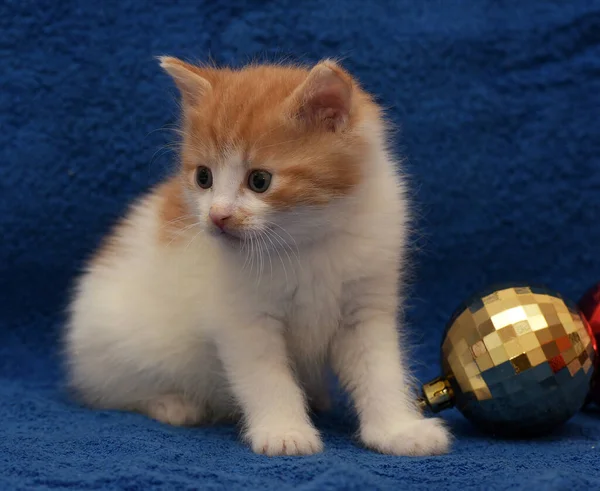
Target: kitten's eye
259, 181
204, 177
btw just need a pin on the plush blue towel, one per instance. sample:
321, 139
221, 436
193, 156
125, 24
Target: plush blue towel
499, 109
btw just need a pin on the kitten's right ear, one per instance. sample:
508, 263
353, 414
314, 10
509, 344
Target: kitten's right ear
188, 78
324, 99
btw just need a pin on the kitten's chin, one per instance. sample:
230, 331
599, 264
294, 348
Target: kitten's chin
227, 237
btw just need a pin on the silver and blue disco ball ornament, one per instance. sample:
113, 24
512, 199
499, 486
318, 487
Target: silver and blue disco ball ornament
516, 361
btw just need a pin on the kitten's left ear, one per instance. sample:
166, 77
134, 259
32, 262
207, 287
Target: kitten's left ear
324, 99
188, 78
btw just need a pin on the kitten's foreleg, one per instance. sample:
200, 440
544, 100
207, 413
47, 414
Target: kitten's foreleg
273, 405
367, 358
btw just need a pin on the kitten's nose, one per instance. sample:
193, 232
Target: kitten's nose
219, 217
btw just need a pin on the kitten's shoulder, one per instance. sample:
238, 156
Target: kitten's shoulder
154, 218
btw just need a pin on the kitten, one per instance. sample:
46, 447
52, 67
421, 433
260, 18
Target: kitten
275, 252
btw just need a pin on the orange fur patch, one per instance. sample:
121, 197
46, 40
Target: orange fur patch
255, 112
174, 215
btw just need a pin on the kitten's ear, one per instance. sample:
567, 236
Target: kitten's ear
325, 98
188, 78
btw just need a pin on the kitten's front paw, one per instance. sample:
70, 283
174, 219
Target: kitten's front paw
303, 440
417, 437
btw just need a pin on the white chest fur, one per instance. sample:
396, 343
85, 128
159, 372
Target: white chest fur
314, 310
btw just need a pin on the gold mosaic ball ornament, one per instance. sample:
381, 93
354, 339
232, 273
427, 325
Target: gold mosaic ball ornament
516, 361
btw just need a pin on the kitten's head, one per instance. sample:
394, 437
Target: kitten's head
271, 149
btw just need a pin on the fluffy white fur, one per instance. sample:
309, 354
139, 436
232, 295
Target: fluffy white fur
202, 328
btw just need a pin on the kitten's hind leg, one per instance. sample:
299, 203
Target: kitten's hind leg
173, 409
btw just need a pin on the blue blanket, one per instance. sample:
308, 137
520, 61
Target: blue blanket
498, 106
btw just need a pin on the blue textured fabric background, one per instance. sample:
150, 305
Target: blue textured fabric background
498, 105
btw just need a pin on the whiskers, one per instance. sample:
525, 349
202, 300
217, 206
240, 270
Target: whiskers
182, 227
255, 249
284, 242
266, 252
193, 239
259, 248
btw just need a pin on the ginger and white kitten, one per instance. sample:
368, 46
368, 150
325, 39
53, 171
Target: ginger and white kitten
275, 252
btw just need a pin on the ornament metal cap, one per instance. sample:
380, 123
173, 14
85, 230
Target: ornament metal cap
436, 396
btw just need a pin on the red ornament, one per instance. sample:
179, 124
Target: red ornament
590, 308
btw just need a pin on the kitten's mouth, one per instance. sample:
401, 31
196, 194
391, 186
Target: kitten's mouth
239, 238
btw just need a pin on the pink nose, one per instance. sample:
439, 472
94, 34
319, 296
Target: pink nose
219, 217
